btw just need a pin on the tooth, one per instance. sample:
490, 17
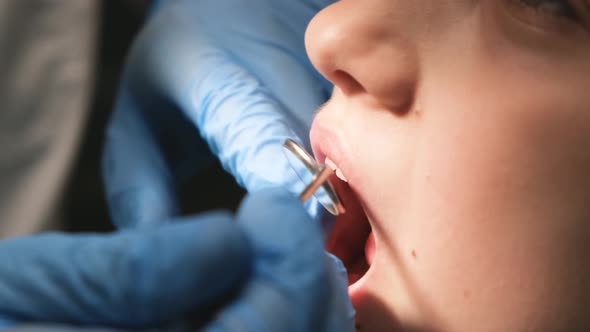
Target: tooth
341, 176
333, 166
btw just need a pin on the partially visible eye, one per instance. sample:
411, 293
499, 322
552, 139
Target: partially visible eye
548, 26
561, 9
557, 16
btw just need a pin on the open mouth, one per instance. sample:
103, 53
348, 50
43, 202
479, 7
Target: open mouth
351, 232
351, 239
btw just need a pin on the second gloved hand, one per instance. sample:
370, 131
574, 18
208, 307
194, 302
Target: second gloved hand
264, 270
234, 72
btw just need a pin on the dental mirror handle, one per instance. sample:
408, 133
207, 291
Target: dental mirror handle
317, 182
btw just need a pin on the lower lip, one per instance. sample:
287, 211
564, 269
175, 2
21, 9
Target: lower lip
370, 249
348, 238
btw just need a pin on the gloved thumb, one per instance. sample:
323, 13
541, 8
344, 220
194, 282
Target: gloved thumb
291, 285
136, 278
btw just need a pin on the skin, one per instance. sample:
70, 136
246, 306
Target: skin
464, 130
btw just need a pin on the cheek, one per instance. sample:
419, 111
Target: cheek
481, 204
497, 208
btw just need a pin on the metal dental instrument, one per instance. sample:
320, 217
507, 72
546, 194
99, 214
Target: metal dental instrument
319, 185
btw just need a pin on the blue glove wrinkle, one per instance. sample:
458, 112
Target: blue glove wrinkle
227, 122
220, 92
205, 58
117, 280
266, 39
261, 121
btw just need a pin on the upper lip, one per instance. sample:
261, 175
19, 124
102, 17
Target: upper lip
329, 142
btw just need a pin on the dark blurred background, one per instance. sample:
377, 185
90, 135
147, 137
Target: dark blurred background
84, 207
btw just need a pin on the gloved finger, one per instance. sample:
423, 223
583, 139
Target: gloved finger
138, 183
238, 115
140, 165
341, 312
136, 278
290, 289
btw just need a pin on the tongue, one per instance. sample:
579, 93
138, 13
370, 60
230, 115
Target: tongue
370, 249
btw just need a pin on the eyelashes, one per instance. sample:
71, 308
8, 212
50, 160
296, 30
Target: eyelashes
546, 10
561, 17
557, 8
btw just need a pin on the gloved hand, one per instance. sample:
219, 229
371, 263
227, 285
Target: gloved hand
236, 71
267, 263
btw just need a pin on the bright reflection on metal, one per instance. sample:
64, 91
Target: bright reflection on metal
314, 176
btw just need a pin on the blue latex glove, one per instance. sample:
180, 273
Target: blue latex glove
234, 72
269, 259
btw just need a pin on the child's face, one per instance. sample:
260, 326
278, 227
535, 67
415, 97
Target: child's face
464, 129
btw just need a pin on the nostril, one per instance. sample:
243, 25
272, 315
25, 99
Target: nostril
346, 82
394, 91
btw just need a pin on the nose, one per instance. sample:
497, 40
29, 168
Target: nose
364, 51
